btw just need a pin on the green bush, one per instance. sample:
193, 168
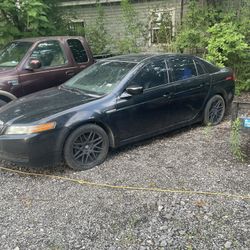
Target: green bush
133, 30
226, 44
97, 34
221, 34
28, 18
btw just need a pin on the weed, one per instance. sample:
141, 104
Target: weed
235, 140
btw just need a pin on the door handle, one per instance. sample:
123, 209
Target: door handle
70, 73
168, 95
204, 84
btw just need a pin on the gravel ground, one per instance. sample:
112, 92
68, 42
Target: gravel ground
46, 213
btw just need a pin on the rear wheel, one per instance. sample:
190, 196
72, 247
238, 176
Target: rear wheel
86, 147
214, 110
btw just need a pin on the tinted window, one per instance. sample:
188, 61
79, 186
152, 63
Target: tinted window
77, 50
200, 69
210, 67
182, 68
49, 53
152, 75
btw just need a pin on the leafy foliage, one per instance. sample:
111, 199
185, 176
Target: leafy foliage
226, 45
25, 18
192, 34
134, 30
221, 34
235, 140
97, 34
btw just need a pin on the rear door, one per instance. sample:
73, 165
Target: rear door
192, 85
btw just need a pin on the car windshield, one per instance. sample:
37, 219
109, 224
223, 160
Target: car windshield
100, 78
13, 53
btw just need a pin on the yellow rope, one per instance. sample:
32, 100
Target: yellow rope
103, 185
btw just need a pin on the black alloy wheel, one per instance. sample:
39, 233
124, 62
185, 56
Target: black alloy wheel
214, 111
86, 147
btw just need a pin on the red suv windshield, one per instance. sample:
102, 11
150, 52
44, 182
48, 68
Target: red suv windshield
13, 53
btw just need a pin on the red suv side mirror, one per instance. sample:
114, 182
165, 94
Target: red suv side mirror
35, 64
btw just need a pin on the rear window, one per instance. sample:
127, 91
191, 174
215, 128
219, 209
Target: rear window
78, 51
210, 67
200, 69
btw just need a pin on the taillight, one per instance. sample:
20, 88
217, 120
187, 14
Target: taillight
232, 78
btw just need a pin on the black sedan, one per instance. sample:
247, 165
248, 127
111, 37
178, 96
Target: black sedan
117, 101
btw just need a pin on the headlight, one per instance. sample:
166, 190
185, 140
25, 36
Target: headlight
29, 129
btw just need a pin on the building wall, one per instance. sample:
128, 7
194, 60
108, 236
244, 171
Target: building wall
86, 11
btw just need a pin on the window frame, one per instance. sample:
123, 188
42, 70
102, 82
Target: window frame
171, 69
72, 55
196, 61
167, 78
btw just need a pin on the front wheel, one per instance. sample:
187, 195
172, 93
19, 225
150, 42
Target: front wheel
214, 110
86, 147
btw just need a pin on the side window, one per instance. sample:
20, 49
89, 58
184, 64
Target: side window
77, 50
49, 53
210, 67
200, 69
182, 68
152, 75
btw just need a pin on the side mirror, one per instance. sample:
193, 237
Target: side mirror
34, 64
134, 90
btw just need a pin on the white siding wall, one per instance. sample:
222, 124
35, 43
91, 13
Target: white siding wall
113, 15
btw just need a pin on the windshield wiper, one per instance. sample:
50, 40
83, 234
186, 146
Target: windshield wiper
77, 90
70, 89
85, 92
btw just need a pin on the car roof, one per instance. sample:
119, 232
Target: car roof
35, 39
137, 58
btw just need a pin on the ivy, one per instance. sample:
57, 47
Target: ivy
97, 34
133, 30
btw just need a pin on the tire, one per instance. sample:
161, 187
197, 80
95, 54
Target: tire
2, 103
86, 147
214, 110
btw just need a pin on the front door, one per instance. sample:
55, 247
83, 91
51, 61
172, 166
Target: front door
53, 70
150, 111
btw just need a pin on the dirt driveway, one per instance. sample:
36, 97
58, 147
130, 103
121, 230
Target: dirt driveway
47, 213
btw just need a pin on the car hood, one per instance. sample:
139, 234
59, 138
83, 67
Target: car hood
41, 105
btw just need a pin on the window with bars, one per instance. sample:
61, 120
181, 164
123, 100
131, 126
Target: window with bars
76, 28
161, 27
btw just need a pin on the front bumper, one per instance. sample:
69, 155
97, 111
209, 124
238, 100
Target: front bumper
35, 149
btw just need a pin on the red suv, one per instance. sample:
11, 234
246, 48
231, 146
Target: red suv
33, 64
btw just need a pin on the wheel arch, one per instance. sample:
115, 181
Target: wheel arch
106, 128
220, 92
